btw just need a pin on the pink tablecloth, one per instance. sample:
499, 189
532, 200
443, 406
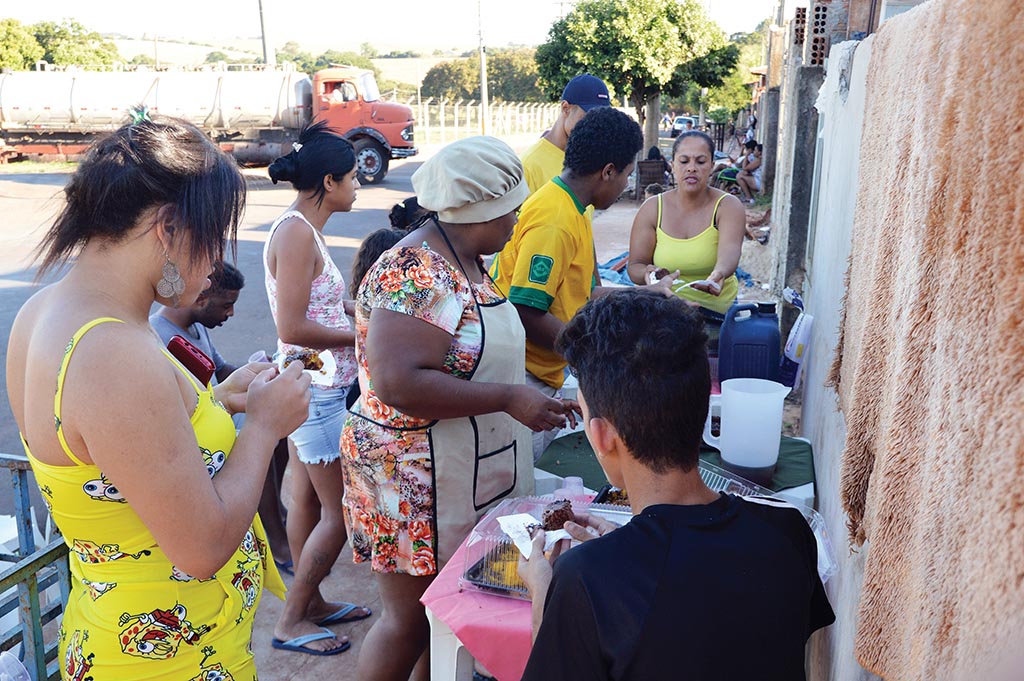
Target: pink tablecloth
495, 630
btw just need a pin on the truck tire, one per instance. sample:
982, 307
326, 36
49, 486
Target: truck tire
371, 161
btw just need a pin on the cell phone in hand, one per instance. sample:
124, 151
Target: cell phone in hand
192, 358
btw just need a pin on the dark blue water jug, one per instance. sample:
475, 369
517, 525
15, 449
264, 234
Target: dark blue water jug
749, 345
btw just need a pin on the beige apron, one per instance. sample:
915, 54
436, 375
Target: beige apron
480, 460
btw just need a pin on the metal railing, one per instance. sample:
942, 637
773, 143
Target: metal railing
33, 571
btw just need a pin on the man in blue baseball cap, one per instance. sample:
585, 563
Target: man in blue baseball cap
545, 157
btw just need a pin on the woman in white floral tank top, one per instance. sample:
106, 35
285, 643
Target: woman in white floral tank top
306, 293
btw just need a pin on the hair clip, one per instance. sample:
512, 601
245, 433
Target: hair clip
139, 114
296, 146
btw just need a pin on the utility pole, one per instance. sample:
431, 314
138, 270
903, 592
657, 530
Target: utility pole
269, 57
484, 104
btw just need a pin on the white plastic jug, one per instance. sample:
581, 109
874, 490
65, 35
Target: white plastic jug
751, 423
11, 669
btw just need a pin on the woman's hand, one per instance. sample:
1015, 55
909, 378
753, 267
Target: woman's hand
653, 273
714, 285
534, 409
232, 390
279, 401
664, 284
349, 307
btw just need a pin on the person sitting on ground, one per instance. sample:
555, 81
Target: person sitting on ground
694, 229
152, 488
662, 596
213, 307
404, 215
727, 172
653, 189
544, 159
548, 267
749, 179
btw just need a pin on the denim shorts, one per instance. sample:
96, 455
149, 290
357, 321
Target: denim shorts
318, 440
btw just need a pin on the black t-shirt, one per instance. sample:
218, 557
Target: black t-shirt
729, 590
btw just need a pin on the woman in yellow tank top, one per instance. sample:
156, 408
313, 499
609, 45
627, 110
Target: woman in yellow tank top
693, 228
137, 460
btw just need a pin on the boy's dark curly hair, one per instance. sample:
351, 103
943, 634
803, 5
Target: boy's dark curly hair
605, 135
642, 364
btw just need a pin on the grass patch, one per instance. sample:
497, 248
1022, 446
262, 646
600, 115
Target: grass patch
19, 167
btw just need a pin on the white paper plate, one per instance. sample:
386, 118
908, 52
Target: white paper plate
325, 376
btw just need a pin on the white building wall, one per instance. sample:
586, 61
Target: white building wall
841, 118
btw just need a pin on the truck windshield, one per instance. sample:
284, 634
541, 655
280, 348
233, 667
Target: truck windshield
368, 84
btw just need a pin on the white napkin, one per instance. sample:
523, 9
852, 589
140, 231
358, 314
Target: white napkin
325, 376
517, 528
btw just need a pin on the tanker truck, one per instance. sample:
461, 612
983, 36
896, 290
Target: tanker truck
254, 115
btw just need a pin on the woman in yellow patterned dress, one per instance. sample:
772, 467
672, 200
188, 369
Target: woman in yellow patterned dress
138, 460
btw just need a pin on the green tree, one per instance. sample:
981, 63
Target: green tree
71, 43
19, 49
367, 50
512, 76
143, 60
733, 93
456, 79
292, 52
640, 48
216, 56
330, 57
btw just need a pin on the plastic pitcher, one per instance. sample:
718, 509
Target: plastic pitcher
749, 344
751, 425
11, 669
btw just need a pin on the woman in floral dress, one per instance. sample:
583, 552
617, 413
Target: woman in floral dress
438, 433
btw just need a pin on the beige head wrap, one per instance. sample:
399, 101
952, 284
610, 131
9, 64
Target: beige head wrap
472, 180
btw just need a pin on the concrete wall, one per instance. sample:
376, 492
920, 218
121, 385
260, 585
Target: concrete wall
841, 111
793, 169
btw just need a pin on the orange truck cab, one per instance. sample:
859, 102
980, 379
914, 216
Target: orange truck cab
348, 99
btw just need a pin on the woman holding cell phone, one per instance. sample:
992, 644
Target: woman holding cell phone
137, 459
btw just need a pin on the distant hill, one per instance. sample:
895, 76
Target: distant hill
407, 70
183, 54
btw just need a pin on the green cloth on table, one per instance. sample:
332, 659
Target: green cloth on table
572, 455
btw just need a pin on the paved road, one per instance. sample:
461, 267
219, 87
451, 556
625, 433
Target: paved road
28, 203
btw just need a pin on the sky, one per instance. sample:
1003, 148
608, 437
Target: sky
408, 24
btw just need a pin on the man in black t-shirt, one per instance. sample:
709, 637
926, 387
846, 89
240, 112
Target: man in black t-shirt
698, 585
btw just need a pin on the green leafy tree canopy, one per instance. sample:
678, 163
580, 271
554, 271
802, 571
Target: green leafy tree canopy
19, 49
71, 43
511, 77
640, 48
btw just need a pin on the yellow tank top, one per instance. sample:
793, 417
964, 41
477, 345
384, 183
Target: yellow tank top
695, 259
131, 613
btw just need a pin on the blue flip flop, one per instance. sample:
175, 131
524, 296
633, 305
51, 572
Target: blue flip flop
286, 567
339, 615
298, 644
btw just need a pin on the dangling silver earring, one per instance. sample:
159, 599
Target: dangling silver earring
171, 285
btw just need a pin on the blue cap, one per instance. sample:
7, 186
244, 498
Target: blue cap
587, 92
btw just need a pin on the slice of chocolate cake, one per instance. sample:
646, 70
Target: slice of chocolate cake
556, 513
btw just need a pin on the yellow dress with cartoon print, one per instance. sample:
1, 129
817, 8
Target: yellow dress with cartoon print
131, 613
